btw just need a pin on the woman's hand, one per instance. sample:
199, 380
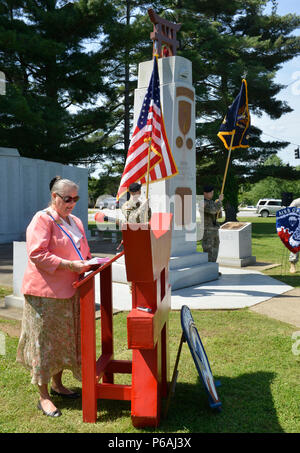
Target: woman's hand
79, 266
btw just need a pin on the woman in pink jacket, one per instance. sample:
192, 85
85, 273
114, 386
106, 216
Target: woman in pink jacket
57, 252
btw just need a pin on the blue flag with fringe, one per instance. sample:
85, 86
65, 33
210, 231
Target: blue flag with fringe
237, 121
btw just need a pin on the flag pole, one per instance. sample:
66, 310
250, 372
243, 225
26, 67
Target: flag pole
148, 166
227, 163
148, 140
226, 169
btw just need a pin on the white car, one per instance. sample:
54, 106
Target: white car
268, 206
248, 208
109, 203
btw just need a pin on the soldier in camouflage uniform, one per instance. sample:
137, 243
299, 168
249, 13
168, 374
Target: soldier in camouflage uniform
134, 210
210, 240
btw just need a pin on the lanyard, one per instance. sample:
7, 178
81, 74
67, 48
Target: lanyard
76, 248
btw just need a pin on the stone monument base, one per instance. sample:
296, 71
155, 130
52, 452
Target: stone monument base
19, 265
14, 301
235, 245
192, 269
236, 262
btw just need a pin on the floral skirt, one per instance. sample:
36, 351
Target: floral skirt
50, 337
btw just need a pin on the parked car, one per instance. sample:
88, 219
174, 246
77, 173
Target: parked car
109, 203
247, 208
268, 206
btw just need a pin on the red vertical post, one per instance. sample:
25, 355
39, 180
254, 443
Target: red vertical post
107, 318
88, 351
146, 364
164, 360
147, 323
145, 393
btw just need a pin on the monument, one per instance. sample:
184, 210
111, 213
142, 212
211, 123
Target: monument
177, 194
235, 248
28, 183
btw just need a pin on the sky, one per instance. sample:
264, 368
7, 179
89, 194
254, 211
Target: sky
287, 127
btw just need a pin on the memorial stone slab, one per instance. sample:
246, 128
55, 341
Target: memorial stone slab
235, 248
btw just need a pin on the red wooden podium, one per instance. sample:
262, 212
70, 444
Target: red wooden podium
147, 249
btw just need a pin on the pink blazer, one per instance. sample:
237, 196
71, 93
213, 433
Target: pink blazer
47, 245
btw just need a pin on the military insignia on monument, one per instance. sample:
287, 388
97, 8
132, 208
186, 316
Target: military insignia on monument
288, 227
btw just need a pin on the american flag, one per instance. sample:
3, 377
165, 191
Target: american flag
150, 125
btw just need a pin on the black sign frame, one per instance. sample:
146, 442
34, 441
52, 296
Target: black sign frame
200, 358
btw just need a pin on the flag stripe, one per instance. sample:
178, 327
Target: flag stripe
150, 125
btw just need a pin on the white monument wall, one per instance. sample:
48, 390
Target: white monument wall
24, 190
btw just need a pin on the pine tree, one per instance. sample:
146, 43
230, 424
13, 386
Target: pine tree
55, 76
130, 41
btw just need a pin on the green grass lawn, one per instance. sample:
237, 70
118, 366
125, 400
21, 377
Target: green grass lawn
266, 245
5, 291
268, 248
249, 353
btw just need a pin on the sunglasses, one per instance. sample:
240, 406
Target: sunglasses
69, 199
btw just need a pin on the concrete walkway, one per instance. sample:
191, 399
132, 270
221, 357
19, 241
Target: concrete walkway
235, 289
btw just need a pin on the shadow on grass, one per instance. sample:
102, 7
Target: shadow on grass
291, 280
108, 411
247, 407
260, 228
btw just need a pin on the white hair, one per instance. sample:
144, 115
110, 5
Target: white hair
57, 184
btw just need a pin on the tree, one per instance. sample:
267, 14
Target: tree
272, 186
54, 80
72, 71
107, 183
129, 36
